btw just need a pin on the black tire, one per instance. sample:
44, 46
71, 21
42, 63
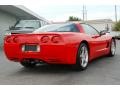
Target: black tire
111, 53
28, 64
79, 65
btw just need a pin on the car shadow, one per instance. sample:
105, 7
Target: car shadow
50, 69
62, 69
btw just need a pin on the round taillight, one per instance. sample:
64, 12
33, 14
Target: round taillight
8, 39
44, 39
56, 39
15, 39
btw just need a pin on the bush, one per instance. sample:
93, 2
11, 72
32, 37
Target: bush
72, 18
116, 26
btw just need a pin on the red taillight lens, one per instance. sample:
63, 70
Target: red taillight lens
56, 39
8, 39
45, 39
15, 39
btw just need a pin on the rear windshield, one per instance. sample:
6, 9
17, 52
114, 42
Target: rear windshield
57, 28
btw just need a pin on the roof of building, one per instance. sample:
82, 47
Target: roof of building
20, 12
99, 21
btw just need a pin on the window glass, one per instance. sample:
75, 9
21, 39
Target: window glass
58, 28
89, 29
28, 24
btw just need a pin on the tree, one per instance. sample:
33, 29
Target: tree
72, 18
116, 26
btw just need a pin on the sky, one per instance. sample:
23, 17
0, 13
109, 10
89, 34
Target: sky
60, 10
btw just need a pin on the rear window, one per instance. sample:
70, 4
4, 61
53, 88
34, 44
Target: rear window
58, 28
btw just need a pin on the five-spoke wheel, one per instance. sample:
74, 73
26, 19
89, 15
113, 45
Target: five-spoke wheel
82, 57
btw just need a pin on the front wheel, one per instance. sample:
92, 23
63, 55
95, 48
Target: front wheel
112, 48
82, 57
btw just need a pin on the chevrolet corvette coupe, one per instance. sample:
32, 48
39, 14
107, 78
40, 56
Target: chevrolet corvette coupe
64, 43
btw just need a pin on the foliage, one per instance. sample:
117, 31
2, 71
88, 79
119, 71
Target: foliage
116, 26
72, 18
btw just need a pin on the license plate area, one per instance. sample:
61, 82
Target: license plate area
30, 48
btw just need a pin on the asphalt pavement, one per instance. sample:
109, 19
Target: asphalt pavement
102, 71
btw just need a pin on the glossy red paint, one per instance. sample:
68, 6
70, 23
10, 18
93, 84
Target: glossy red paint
55, 47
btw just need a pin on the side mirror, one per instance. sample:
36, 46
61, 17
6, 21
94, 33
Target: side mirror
102, 32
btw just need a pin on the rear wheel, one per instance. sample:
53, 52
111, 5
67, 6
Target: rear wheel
82, 57
112, 48
28, 64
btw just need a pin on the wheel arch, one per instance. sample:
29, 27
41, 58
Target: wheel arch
84, 41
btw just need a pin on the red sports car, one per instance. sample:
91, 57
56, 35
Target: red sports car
65, 43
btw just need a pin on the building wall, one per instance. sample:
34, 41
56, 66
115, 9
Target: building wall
102, 26
6, 20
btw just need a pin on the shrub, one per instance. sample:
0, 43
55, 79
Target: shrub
116, 26
72, 18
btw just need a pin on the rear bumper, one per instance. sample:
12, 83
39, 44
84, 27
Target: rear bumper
52, 54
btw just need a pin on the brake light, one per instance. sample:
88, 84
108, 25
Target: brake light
8, 39
56, 39
45, 39
15, 39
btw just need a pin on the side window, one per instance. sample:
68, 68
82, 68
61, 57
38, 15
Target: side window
42, 23
89, 30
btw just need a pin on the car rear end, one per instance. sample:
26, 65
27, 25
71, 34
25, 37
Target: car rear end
48, 47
